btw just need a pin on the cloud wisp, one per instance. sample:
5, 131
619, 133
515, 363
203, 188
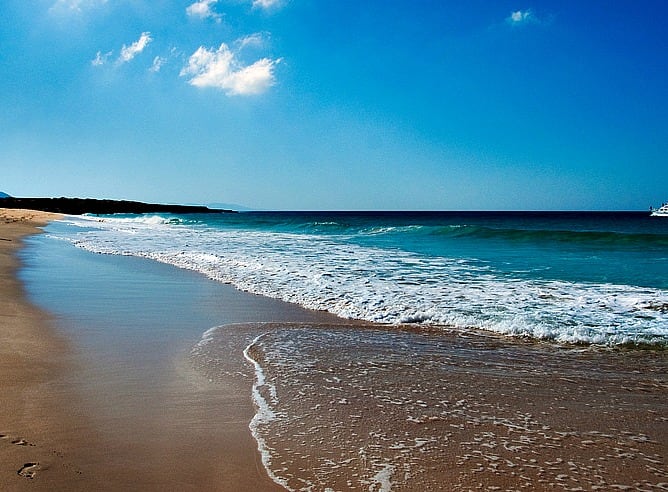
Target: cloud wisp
203, 10
221, 69
101, 58
521, 17
158, 62
74, 6
129, 52
266, 4
256, 40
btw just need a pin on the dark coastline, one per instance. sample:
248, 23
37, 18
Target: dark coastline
79, 206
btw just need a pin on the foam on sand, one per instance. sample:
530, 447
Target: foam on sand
264, 414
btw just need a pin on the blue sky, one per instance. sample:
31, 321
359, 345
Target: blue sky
347, 104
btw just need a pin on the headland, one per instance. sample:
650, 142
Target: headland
79, 206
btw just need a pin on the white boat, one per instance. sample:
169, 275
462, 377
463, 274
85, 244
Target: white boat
660, 212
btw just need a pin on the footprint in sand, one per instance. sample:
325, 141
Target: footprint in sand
21, 442
17, 441
29, 470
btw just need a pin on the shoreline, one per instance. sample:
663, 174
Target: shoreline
534, 414
34, 361
413, 409
72, 419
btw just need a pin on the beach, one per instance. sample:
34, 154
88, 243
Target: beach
136, 375
72, 420
32, 364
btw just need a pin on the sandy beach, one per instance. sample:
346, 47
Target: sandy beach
55, 436
34, 364
126, 385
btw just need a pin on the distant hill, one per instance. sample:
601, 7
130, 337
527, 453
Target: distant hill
78, 206
3, 195
232, 206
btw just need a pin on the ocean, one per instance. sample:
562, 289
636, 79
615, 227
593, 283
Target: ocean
592, 278
491, 351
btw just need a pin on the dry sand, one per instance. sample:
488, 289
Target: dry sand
51, 439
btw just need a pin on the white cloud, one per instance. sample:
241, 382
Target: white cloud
202, 9
129, 52
521, 17
221, 70
254, 40
158, 62
266, 4
101, 59
253, 79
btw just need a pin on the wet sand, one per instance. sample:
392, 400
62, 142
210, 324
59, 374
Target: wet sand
431, 409
138, 415
78, 416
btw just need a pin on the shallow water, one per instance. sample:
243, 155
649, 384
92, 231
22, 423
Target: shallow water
362, 408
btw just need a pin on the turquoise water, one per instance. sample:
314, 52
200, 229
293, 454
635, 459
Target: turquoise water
627, 248
570, 277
